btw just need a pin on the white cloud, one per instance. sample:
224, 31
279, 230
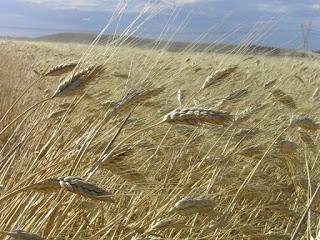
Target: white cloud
106, 4
316, 6
68, 4
275, 7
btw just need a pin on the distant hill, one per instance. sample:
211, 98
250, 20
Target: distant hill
87, 38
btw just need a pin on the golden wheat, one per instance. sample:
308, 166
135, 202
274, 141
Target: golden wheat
194, 206
60, 69
81, 187
284, 98
196, 116
305, 123
217, 76
83, 77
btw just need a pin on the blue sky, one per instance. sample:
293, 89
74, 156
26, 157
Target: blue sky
270, 22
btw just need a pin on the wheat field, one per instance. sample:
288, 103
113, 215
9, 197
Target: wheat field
116, 142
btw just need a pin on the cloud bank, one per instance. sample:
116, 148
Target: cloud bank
94, 5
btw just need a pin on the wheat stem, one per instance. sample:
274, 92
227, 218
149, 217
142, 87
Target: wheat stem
21, 114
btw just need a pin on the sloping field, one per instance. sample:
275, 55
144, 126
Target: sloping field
108, 150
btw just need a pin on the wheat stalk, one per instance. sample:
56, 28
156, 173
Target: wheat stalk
66, 105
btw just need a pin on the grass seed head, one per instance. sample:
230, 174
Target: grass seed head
197, 116
285, 147
217, 76
307, 139
253, 151
193, 206
83, 188
237, 94
269, 84
60, 69
164, 224
181, 96
284, 98
135, 97
82, 77
56, 114
305, 123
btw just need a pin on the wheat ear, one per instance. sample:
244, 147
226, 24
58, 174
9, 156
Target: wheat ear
60, 69
81, 187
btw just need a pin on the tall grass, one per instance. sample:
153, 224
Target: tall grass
231, 163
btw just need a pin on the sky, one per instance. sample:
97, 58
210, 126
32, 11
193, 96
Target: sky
277, 23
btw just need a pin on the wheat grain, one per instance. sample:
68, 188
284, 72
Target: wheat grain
196, 116
194, 206
60, 69
305, 123
285, 147
253, 151
284, 98
82, 77
115, 164
135, 97
83, 188
121, 75
269, 84
250, 111
181, 96
164, 224
217, 76
307, 139
237, 94
56, 114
